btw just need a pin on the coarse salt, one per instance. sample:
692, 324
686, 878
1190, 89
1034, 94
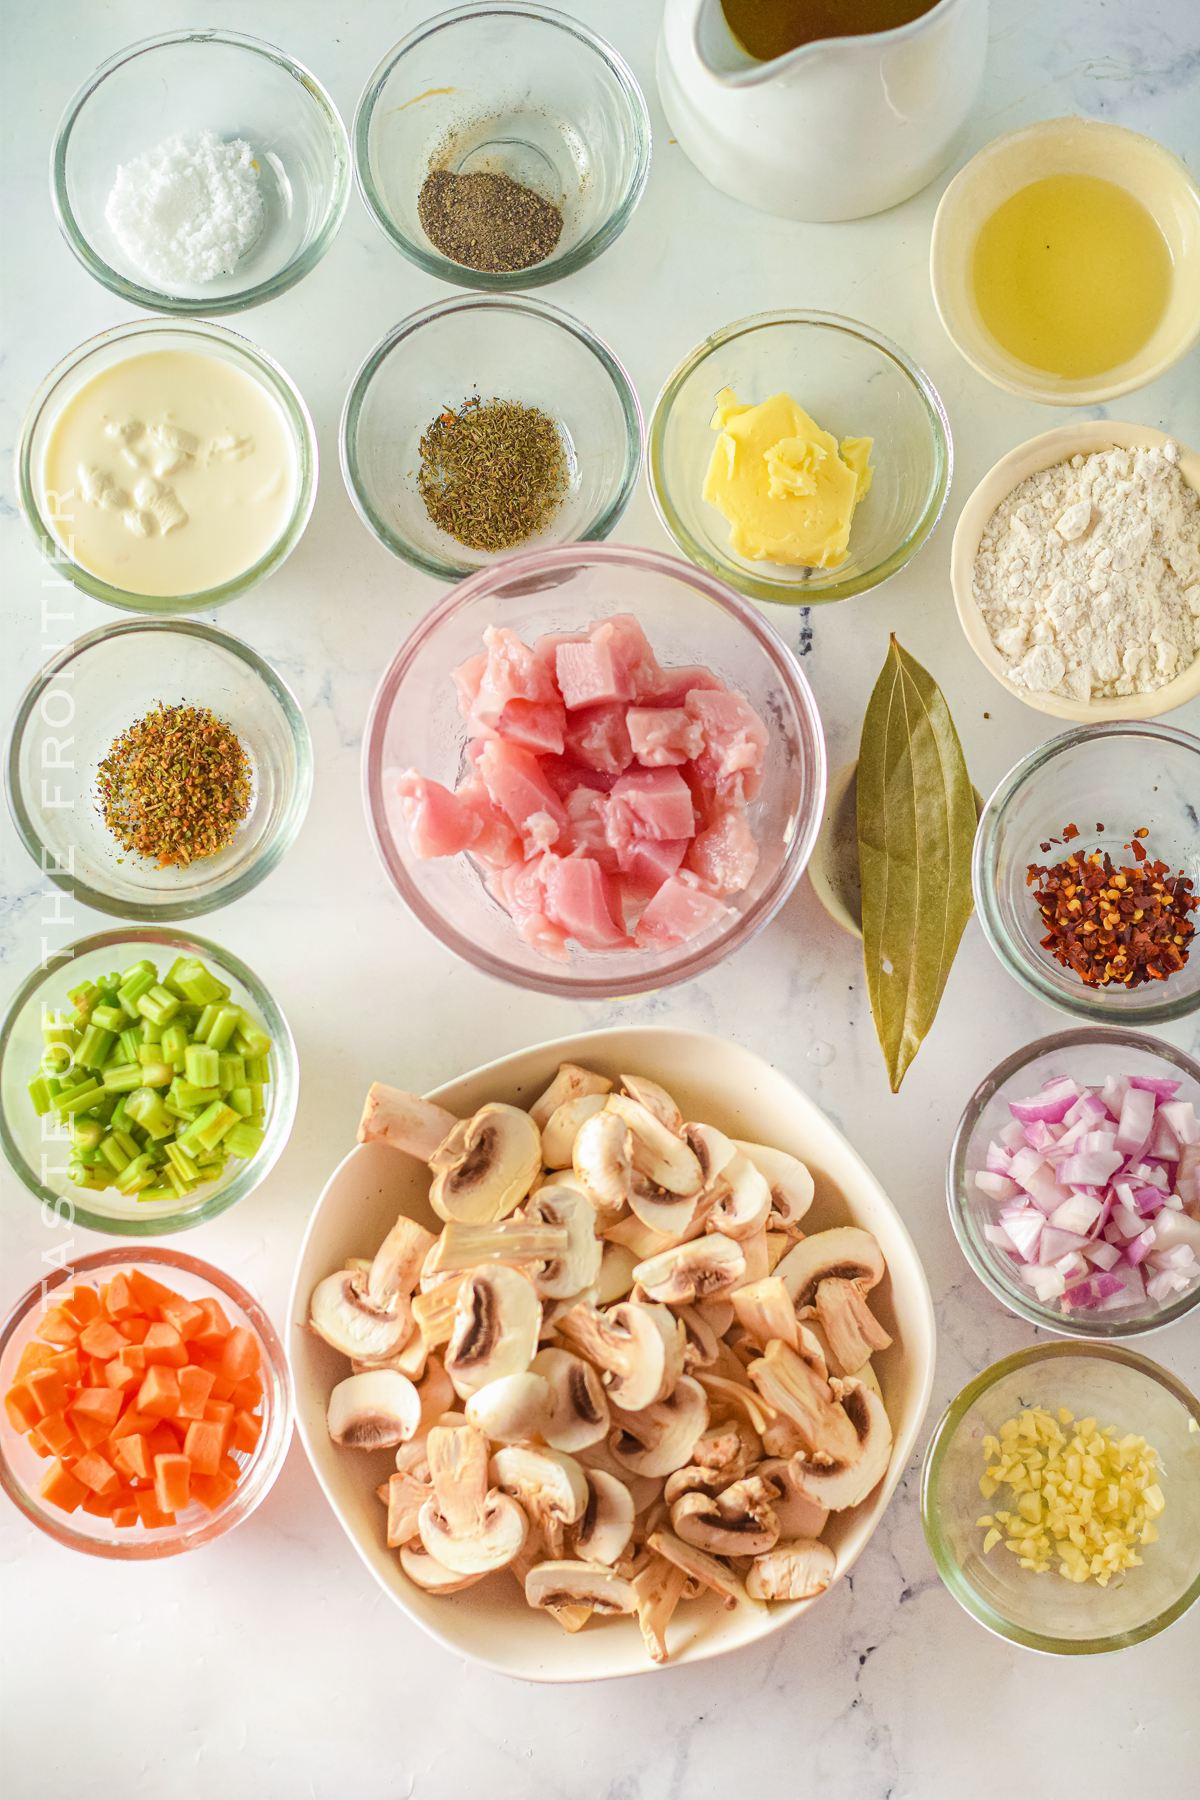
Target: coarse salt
188, 209
1088, 575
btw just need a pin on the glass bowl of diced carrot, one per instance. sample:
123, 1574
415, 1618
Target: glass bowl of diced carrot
147, 1404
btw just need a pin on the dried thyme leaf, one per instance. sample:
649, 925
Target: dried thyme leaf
493, 473
916, 826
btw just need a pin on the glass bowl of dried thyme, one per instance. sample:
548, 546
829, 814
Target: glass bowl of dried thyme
158, 769
1086, 873
483, 426
501, 146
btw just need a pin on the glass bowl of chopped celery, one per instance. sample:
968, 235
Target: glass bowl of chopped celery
123, 751
185, 1434
1074, 1183
148, 1081
1119, 799
234, 173
1061, 1498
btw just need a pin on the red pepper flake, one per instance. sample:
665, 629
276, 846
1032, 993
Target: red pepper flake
1110, 924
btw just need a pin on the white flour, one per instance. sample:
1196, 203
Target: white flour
1088, 575
188, 209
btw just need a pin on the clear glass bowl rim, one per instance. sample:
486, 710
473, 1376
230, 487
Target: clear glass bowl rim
279, 1121
983, 877
788, 668
931, 1469
537, 309
270, 374
272, 850
264, 1467
1077, 1326
748, 583
223, 304
539, 274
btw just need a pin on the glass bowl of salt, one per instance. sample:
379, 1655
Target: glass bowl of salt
200, 173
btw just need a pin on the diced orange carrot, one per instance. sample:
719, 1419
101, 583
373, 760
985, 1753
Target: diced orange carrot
83, 1305
240, 1356
100, 1338
172, 1483
149, 1293
91, 1431
22, 1409
150, 1514
134, 1330
48, 1388
195, 1385
66, 1363
99, 1505
246, 1429
105, 1289
57, 1434
165, 1439
122, 1303
96, 1373
34, 1356
101, 1403
58, 1327
125, 1514
231, 1467
127, 1370
36, 1443
159, 1392
212, 1490
247, 1393
132, 1424
163, 1344
60, 1488
220, 1409
132, 1459
216, 1327
205, 1446
184, 1315
96, 1474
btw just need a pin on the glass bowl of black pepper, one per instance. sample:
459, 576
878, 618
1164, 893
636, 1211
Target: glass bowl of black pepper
501, 146
157, 769
487, 425
1112, 941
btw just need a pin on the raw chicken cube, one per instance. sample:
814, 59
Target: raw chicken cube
583, 900
678, 911
724, 855
664, 736
497, 843
516, 784
735, 742
438, 822
521, 891
679, 683
598, 737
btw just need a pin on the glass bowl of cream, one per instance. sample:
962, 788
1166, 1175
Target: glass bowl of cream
799, 456
167, 466
200, 173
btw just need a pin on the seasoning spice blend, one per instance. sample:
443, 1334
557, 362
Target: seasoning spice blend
1110, 924
175, 786
493, 473
487, 222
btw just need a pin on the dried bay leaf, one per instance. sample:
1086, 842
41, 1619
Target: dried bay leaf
916, 827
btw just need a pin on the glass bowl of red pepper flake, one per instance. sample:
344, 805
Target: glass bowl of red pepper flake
1087, 873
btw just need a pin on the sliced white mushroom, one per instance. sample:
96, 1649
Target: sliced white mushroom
740, 1521
701, 1566
376, 1411
847, 1253
658, 1154
434, 1310
702, 1347
571, 1083
526, 1241
713, 1151
435, 1391
632, 1234
576, 1266
717, 1309
790, 1183
661, 1437
605, 1526
745, 1202
616, 1273
711, 1264
404, 1497
568, 1583
799, 1517
638, 1347
792, 1571
397, 1264
602, 1161
550, 1485
496, 1320
796, 1391
486, 1166
846, 1480
658, 1589
737, 1398
341, 1313
467, 1527
562, 1128
655, 1099
432, 1575
404, 1121
849, 1324
576, 1413
765, 1311
512, 1409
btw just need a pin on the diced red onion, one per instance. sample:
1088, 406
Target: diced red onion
1137, 1118
1055, 1100
1158, 1085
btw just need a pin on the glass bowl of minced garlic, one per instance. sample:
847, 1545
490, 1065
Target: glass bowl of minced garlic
1061, 1498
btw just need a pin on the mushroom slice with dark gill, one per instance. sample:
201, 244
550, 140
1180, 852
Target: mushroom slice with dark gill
792, 1571
604, 1528
466, 1527
567, 1583
374, 1411
845, 1480
549, 1484
847, 1253
496, 1319
711, 1264
740, 1521
342, 1313
577, 1413
661, 1436
852, 1329
791, 1185
637, 1346
486, 1166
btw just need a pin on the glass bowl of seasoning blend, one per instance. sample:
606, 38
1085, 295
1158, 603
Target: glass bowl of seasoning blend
501, 146
1105, 817
1091, 1277
484, 426
200, 173
688, 618
167, 466
72, 1145
853, 384
1140, 1425
158, 769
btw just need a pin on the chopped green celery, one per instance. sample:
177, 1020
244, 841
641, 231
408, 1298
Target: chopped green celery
185, 1114
188, 1016
213, 1123
231, 1073
178, 1158
56, 1059
86, 1134
94, 1047
127, 1141
257, 1069
169, 981
158, 1006
197, 983
120, 1121
139, 1174
130, 1045
241, 1100
157, 1075
179, 1182
151, 1033
39, 1093
202, 1065
107, 986
244, 1140
124, 1078
186, 1093
227, 1021
145, 1107
83, 997
204, 1024
59, 1031
132, 987
83, 1177
79, 1099
162, 1191
115, 1154
174, 1046
109, 1018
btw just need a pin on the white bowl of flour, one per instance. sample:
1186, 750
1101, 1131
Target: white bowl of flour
1076, 572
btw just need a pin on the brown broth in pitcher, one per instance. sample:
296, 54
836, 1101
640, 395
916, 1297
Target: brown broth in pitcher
770, 28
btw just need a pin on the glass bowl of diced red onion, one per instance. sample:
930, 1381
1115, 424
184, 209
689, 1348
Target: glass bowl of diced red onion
594, 770
1074, 1183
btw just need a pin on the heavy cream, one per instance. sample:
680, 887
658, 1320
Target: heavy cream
170, 473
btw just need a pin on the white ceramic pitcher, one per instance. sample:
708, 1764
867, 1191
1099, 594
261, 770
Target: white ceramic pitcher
833, 130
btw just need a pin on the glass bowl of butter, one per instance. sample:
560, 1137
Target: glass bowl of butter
800, 456
167, 466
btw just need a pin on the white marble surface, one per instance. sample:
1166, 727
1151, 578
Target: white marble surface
269, 1665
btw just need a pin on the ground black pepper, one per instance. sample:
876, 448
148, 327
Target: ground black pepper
1111, 924
487, 222
493, 473
175, 786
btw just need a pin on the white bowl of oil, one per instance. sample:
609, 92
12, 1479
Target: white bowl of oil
1065, 261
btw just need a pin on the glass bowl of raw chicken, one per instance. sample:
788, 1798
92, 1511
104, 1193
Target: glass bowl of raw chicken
594, 770
607, 1354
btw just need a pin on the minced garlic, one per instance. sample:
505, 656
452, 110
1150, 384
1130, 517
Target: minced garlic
1087, 1498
